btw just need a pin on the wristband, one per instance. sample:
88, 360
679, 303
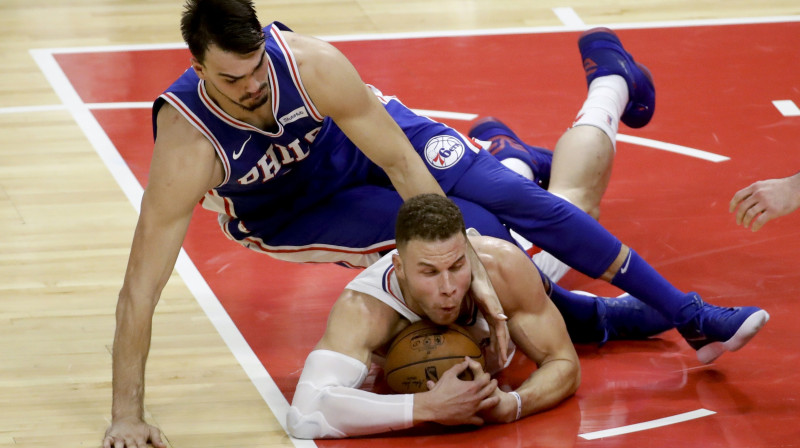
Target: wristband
519, 404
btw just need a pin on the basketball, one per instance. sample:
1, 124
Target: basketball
424, 351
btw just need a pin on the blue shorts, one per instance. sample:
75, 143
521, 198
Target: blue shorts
352, 223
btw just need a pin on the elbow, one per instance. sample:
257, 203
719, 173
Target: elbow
297, 425
576, 377
306, 418
135, 307
308, 425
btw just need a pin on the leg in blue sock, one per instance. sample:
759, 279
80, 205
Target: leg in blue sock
593, 319
571, 235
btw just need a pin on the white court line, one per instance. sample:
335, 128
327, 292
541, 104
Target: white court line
131, 105
444, 114
464, 33
655, 144
148, 104
568, 17
28, 109
647, 425
91, 106
787, 108
197, 285
669, 147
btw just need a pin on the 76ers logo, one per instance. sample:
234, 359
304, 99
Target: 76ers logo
443, 151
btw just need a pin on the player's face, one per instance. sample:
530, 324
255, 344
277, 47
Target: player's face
436, 276
240, 78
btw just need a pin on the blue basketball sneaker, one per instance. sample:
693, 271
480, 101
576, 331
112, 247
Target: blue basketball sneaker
505, 144
620, 318
713, 330
603, 55
626, 317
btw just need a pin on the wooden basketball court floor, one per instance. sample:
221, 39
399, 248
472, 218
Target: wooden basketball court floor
233, 327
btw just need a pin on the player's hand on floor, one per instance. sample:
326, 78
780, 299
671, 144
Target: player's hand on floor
504, 412
132, 433
457, 402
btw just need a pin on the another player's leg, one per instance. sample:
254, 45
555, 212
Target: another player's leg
710, 330
619, 89
531, 162
593, 319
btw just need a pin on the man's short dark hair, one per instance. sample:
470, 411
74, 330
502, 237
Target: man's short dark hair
428, 217
232, 25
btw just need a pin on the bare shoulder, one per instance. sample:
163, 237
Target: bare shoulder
497, 255
310, 51
358, 318
512, 272
334, 85
184, 157
174, 127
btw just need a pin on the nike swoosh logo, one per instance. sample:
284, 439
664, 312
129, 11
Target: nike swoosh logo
239, 153
627, 263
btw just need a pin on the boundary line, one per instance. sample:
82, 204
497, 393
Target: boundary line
646, 142
197, 285
465, 33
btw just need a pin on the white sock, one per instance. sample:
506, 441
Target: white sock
519, 167
605, 102
552, 267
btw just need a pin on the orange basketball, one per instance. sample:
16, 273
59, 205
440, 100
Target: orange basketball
424, 351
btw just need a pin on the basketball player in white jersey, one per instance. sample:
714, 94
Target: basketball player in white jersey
428, 277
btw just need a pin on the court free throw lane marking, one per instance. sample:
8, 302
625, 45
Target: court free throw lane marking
647, 425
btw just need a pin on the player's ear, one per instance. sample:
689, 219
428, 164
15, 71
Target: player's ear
198, 68
398, 266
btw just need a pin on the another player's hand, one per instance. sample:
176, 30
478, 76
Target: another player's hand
484, 295
451, 401
765, 200
132, 433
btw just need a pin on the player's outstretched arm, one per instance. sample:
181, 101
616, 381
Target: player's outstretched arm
337, 91
327, 402
765, 200
537, 329
182, 170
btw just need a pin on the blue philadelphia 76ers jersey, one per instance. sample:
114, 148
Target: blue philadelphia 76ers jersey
273, 178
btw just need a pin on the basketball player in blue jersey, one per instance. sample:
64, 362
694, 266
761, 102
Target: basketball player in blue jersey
428, 277
277, 133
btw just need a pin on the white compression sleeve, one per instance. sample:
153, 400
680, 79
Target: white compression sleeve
327, 403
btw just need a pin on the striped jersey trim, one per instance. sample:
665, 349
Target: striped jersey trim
295, 72
227, 119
